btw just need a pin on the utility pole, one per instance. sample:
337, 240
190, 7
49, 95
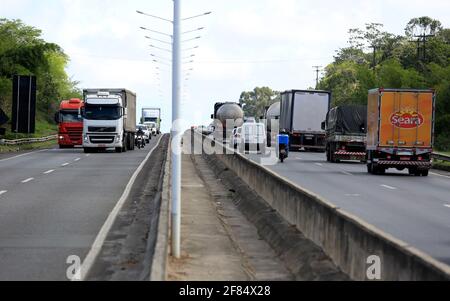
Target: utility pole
176, 133
374, 59
317, 74
423, 38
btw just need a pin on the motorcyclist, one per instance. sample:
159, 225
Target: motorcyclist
140, 134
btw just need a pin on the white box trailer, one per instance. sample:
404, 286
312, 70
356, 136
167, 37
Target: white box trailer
301, 115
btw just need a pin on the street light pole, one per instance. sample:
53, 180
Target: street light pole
176, 131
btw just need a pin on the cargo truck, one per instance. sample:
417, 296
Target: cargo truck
301, 115
152, 118
400, 130
345, 138
70, 123
109, 120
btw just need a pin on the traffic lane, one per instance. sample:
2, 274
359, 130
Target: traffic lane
13, 170
417, 218
59, 215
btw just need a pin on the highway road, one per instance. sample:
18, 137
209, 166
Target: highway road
53, 203
413, 209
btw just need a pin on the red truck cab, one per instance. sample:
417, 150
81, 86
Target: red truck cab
70, 133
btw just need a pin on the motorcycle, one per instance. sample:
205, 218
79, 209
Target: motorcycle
283, 147
139, 140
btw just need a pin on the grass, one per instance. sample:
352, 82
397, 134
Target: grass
25, 147
43, 129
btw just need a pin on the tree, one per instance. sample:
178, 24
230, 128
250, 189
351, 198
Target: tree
24, 52
254, 102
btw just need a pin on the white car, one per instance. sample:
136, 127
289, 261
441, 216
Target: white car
251, 136
152, 128
146, 130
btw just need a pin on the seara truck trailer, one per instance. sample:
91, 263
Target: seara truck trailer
301, 115
400, 130
109, 120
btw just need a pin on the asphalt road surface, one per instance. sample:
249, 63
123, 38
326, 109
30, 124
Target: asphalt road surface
53, 204
413, 209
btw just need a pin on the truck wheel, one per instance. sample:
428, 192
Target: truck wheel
118, 150
425, 173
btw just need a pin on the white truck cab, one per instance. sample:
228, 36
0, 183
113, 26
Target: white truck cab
107, 116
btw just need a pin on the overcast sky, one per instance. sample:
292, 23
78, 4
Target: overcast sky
246, 43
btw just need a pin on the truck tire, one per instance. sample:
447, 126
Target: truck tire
425, 173
118, 150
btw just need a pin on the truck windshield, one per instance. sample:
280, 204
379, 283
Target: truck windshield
102, 112
150, 119
70, 116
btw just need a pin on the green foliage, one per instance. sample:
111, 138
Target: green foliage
255, 102
24, 52
396, 62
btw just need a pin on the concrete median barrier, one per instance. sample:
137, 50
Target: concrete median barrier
350, 242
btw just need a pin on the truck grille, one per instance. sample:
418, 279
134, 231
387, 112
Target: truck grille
75, 134
101, 139
98, 129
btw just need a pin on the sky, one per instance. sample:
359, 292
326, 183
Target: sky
245, 43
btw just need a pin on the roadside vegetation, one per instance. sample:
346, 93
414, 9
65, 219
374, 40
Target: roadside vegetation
24, 52
376, 58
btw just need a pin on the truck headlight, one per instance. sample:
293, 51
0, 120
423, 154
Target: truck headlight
86, 139
61, 137
117, 138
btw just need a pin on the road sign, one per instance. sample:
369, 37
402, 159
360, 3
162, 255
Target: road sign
24, 104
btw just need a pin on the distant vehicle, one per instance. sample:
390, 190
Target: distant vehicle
152, 127
272, 119
109, 120
226, 112
152, 117
249, 120
400, 129
346, 128
140, 138
147, 131
70, 123
204, 130
301, 115
251, 136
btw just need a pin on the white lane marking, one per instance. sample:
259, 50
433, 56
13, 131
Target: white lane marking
100, 239
88, 155
3, 192
298, 158
49, 172
65, 164
353, 195
347, 173
388, 187
439, 175
448, 206
23, 155
319, 164
27, 180
77, 159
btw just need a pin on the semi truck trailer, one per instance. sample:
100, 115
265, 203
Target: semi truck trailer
109, 119
400, 130
301, 115
345, 138
70, 123
152, 118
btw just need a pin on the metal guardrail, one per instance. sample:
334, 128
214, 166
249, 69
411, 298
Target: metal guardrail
441, 157
27, 140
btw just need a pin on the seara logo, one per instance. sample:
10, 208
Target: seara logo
408, 119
